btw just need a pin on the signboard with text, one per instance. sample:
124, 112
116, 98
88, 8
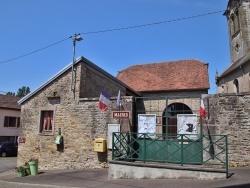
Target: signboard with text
121, 114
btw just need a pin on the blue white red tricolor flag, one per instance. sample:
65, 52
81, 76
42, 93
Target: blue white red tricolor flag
118, 102
202, 109
104, 100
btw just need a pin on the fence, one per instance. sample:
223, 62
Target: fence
183, 149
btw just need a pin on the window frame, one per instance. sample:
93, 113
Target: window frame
234, 23
11, 122
41, 122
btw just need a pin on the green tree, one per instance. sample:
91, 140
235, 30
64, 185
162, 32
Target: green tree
23, 91
11, 93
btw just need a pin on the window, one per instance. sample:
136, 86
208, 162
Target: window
236, 86
237, 21
11, 121
234, 23
46, 121
222, 89
171, 113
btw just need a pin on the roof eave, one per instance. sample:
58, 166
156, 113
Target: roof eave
9, 108
22, 100
47, 82
172, 90
240, 62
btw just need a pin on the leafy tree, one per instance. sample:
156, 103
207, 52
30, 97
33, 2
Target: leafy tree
11, 93
23, 91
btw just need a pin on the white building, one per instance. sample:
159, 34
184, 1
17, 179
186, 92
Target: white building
9, 118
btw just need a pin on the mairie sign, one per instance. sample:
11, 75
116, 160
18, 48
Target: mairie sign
121, 114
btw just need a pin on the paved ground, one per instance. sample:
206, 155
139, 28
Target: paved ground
7, 163
87, 178
99, 179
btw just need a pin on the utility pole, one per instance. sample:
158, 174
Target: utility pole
75, 37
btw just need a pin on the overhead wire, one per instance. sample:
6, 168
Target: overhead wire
35, 51
150, 24
112, 30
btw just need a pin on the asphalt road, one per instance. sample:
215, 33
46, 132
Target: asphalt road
7, 163
98, 178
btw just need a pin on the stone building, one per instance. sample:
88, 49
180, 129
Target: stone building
236, 78
168, 89
228, 111
67, 105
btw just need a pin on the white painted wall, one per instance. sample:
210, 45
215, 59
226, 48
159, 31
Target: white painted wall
8, 131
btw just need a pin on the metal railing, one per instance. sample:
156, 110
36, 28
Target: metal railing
182, 149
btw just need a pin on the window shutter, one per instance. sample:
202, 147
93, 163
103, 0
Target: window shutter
18, 122
6, 121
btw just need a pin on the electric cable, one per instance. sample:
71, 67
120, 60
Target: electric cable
34, 51
150, 24
112, 30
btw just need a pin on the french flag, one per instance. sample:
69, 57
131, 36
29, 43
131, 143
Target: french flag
118, 102
104, 101
202, 109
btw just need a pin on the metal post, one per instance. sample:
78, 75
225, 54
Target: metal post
144, 148
113, 144
226, 156
182, 150
201, 136
73, 62
76, 37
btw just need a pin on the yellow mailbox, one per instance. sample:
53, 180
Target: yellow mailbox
100, 145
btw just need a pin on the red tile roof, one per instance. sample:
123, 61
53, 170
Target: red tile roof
175, 75
7, 101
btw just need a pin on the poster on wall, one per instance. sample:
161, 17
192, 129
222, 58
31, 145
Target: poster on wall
147, 124
112, 128
187, 124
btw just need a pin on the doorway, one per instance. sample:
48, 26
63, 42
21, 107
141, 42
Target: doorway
170, 117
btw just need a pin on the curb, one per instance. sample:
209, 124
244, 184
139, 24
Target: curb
37, 185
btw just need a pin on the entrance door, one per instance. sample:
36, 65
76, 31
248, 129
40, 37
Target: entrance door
170, 117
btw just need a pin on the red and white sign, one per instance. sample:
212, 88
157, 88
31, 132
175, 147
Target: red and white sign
121, 114
21, 140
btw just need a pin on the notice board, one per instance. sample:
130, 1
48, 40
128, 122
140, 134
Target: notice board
147, 124
112, 128
187, 124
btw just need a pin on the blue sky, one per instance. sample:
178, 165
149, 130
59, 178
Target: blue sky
28, 25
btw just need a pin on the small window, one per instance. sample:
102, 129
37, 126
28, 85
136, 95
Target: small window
11, 121
222, 89
47, 121
234, 23
236, 86
237, 21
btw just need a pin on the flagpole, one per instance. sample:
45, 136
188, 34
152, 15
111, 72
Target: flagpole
120, 116
211, 148
203, 115
118, 103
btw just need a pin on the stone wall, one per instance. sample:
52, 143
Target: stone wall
93, 81
80, 120
229, 115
